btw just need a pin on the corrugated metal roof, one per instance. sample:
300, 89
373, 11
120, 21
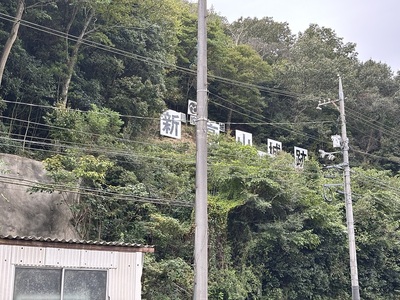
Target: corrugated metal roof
74, 243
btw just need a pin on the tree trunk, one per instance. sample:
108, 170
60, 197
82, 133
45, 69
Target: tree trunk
11, 38
71, 62
229, 120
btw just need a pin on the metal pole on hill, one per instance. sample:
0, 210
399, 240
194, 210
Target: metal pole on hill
347, 196
201, 215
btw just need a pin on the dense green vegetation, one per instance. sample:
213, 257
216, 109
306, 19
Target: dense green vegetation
83, 84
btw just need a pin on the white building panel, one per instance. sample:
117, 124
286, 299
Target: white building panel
58, 257
29, 256
6, 268
129, 271
98, 259
124, 268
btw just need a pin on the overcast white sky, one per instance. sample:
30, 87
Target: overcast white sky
374, 25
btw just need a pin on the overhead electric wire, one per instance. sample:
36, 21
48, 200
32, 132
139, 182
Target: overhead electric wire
140, 57
89, 191
93, 43
277, 125
378, 182
128, 197
377, 157
145, 59
89, 148
78, 110
254, 86
234, 104
260, 122
369, 119
371, 124
48, 142
76, 131
189, 71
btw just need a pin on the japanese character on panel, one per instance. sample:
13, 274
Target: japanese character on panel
170, 124
273, 147
300, 156
213, 127
243, 137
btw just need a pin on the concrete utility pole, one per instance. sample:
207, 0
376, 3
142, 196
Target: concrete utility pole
201, 216
355, 290
347, 196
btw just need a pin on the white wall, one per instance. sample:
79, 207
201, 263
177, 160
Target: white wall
124, 268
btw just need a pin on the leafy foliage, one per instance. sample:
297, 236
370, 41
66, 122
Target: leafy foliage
115, 65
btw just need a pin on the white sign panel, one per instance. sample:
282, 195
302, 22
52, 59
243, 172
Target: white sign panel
273, 147
244, 137
221, 127
192, 108
261, 153
213, 127
337, 141
170, 124
183, 118
193, 120
300, 156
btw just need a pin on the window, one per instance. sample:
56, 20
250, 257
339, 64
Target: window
59, 284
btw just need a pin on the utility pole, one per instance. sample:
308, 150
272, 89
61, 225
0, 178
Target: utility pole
355, 290
347, 196
201, 215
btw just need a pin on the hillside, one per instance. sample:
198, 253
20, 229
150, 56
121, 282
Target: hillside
83, 88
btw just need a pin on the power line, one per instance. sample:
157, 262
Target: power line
78, 110
90, 148
89, 191
261, 122
127, 54
143, 58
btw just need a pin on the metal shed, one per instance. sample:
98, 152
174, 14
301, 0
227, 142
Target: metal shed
49, 269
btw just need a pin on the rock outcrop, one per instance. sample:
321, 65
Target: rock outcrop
24, 213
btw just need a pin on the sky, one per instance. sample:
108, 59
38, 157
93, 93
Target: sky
374, 25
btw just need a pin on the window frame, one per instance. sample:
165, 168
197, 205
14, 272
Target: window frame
62, 284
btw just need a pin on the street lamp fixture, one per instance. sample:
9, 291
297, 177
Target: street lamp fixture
329, 155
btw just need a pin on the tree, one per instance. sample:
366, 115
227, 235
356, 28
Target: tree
272, 40
372, 116
21, 7
242, 65
376, 221
316, 59
280, 233
12, 37
308, 75
182, 85
89, 20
